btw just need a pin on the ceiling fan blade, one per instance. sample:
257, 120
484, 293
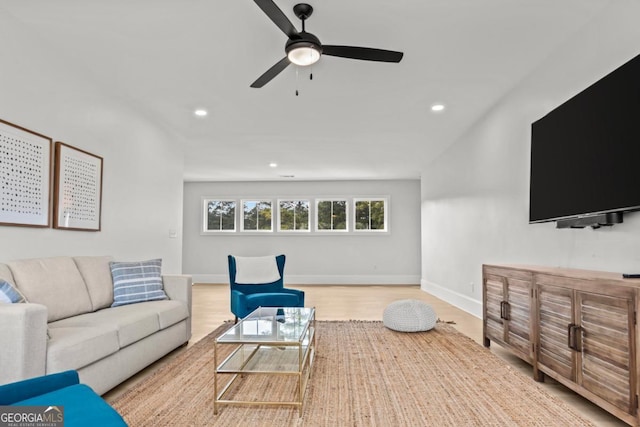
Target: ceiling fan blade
278, 17
364, 53
271, 73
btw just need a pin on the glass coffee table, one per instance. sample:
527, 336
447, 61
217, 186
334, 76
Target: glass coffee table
269, 341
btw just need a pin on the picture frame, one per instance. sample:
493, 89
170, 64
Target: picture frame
77, 189
25, 176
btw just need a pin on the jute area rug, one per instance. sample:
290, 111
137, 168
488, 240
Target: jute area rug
364, 375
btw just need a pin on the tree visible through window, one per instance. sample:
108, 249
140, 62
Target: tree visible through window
294, 215
221, 215
256, 215
332, 215
370, 214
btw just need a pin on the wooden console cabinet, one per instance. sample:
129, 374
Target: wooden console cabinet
576, 326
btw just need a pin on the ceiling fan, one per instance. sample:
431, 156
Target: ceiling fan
304, 48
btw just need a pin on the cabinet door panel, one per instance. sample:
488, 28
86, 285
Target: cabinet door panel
555, 309
519, 313
494, 294
605, 362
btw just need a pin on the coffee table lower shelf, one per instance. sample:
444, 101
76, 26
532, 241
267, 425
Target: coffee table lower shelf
250, 359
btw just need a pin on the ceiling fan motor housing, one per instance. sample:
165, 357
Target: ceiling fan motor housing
305, 40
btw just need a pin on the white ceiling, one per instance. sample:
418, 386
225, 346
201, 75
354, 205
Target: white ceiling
354, 120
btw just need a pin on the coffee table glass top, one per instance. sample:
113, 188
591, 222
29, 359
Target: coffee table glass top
271, 325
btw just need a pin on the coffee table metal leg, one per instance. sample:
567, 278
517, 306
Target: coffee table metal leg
215, 378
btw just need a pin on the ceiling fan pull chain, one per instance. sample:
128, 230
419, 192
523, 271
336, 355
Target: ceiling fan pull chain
297, 70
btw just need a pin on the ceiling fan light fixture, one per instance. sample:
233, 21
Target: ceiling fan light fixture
303, 55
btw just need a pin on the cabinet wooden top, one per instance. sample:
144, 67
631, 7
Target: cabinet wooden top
569, 272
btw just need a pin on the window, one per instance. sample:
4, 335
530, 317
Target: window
294, 215
256, 215
220, 215
370, 214
331, 215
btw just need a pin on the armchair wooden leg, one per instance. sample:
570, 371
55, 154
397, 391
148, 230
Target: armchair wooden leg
236, 321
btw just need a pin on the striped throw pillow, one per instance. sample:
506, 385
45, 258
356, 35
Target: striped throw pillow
9, 294
135, 282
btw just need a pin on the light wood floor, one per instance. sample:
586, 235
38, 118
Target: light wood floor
211, 308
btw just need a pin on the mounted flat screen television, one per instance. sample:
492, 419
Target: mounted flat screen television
585, 154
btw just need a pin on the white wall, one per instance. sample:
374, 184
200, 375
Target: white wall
475, 197
392, 258
142, 181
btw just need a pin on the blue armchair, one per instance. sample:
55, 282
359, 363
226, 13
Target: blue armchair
81, 405
246, 297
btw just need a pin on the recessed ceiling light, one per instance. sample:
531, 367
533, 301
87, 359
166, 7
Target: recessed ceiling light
273, 165
437, 108
200, 112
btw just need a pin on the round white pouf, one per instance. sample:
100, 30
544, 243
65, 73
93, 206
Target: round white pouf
409, 315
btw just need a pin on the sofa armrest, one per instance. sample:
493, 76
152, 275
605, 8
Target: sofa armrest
23, 341
178, 287
26, 389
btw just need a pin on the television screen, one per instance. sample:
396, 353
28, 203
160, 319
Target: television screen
585, 154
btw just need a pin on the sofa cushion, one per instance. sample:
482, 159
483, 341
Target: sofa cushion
53, 282
169, 312
131, 322
5, 273
74, 347
97, 276
9, 294
135, 282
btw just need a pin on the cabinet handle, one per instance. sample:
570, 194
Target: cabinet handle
577, 338
573, 343
507, 311
504, 310
570, 336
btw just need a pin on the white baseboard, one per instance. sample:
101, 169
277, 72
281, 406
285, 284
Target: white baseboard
291, 280
463, 302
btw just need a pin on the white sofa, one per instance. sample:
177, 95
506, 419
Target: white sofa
68, 322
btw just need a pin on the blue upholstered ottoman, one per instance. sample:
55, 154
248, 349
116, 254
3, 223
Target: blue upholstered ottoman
409, 315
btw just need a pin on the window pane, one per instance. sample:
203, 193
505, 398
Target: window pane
332, 215
256, 215
221, 215
377, 215
294, 215
370, 215
340, 215
287, 212
302, 215
324, 215
264, 216
362, 215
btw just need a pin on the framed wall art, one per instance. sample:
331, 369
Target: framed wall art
25, 177
77, 189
